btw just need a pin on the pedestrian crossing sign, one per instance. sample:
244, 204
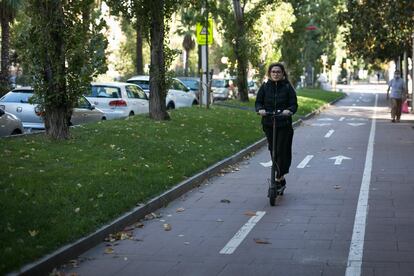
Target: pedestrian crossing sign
204, 32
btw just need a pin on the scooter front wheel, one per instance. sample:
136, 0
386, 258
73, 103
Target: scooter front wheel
272, 196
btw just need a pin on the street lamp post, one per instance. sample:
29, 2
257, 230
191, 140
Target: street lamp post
412, 74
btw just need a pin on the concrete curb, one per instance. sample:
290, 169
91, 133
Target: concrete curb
71, 251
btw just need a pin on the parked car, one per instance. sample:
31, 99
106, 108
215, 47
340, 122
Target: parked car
9, 124
17, 103
178, 94
118, 99
220, 89
193, 84
252, 87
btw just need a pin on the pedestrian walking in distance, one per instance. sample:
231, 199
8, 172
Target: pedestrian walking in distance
277, 93
398, 95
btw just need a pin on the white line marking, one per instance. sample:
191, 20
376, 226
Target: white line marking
321, 124
267, 164
329, 133
325, 119
356, 124
341, 119
356, 249
237, 239
305, 161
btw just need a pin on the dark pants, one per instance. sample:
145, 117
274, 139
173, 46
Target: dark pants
283, 151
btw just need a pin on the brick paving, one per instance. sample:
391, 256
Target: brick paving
310, 229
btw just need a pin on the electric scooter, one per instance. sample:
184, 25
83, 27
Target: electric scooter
275, 187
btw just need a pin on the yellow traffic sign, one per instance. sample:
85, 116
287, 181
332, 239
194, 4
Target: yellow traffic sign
201, 32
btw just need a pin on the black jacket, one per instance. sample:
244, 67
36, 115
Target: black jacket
273, 96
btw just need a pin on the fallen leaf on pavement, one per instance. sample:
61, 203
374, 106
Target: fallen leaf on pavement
219, 220
181, 209
250, 213
260, 241
167, 227
225, 201
109, 250
337, 187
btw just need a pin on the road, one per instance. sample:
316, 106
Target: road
348, 208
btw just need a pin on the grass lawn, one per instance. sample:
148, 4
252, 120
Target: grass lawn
54, 192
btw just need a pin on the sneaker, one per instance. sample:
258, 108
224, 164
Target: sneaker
398, 120
393, 121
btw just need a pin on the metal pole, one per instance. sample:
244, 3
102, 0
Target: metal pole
412, 75
206, 72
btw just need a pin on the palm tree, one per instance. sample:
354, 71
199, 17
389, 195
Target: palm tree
188, 21
188, 45
8, 11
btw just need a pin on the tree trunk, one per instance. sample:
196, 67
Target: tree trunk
158, 110
240, 51
187, 53
139, 58
58, 111
5, 58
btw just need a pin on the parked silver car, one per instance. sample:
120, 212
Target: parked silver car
9, 124
17, 102
118, 99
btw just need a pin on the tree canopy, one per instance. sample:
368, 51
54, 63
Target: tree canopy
379, 29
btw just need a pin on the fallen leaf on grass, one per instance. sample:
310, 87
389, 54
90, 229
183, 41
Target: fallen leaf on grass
33, 233
167, 227
250, 213
225, 201
260, 241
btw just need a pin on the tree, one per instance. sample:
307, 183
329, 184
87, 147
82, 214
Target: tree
8, 11
314, 34
237, 22
152, 17
188, 21
378, 29
131, 11
64, 49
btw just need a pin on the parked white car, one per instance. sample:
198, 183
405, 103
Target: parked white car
17, 103
118, 99
9, 124
178, 94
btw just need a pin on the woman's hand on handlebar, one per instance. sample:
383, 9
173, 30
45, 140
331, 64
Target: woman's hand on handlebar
286, 112
262, 112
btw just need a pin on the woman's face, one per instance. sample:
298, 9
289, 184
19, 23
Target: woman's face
276, 73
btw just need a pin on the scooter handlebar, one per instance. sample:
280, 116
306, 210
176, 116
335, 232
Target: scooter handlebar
277, 113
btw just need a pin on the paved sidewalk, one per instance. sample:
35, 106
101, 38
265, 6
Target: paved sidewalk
309, 231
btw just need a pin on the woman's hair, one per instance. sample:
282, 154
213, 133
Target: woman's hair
281, 66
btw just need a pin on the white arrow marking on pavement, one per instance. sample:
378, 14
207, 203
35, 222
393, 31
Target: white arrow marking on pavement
356, 124
356, 249
330, 132
325, 119
321, 124
267, 164
339, 158
237, 239
341, 119
305, 161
